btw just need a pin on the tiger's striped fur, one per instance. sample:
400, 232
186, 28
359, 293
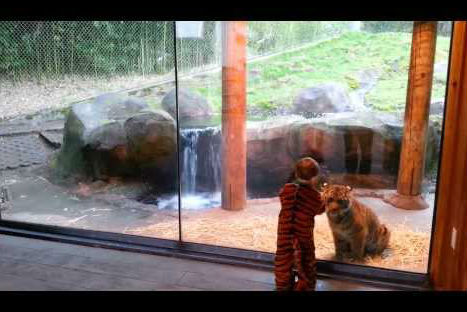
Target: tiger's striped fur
295, 242
356, 229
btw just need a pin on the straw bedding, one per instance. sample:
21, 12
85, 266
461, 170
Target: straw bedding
255, 228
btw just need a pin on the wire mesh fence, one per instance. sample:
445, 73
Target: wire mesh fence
53, 49
98, 48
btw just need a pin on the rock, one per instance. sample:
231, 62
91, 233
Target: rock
190, 105
152, 145
151, 137
107, 150
362, 144
107, 137
372, 182
440, 72
269, 159
93, 133
346, 142
437, 107
323, 98
118, 136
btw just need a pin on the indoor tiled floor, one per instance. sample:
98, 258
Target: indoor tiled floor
32, 264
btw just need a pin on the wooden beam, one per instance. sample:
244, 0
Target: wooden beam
234, 116
412, 160
417, 110
448, 260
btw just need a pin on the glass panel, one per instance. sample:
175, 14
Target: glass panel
85, 143
333, 91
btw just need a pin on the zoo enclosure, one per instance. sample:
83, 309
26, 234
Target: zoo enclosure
54, 49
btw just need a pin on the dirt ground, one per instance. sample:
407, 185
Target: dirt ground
255, 228
30, 96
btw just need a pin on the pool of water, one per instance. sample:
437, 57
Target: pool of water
191, 201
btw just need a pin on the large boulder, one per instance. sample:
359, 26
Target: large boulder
95, 125
116, 135
190, 105
363, 144
152, 138
269, 156
352, 143
106, 151
322, 98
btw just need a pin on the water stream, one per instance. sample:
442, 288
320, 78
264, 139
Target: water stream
200, 170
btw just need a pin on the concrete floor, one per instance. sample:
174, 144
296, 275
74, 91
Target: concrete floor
37, 265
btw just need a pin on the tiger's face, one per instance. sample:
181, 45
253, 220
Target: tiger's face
336, 199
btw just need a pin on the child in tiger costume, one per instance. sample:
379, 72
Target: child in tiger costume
300, 202
356, 230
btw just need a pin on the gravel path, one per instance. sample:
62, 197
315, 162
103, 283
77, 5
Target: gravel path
28, 96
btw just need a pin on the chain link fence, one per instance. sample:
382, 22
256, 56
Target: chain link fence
53, 49
94, 48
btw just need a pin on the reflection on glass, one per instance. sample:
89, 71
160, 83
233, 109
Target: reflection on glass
334, 91
85, 141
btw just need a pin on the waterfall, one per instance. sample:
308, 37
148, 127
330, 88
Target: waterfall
200, 169
189, 160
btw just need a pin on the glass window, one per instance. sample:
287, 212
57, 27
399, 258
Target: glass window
93, 115
333, 91
85, 142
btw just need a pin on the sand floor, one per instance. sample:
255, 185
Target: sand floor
255, 228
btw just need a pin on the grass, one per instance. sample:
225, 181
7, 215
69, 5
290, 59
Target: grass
274, 82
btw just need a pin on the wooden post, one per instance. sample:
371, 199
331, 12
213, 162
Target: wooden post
448, 259
412, 159
234, 115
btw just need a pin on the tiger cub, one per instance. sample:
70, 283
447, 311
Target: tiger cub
356, 230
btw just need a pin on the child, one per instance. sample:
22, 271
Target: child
300, 202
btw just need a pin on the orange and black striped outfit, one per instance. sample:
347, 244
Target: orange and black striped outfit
295, 242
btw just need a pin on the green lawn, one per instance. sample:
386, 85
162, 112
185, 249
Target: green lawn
279, 79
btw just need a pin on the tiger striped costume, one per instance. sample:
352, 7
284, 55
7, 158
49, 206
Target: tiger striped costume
295, 242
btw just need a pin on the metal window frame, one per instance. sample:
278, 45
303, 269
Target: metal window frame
396, 279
